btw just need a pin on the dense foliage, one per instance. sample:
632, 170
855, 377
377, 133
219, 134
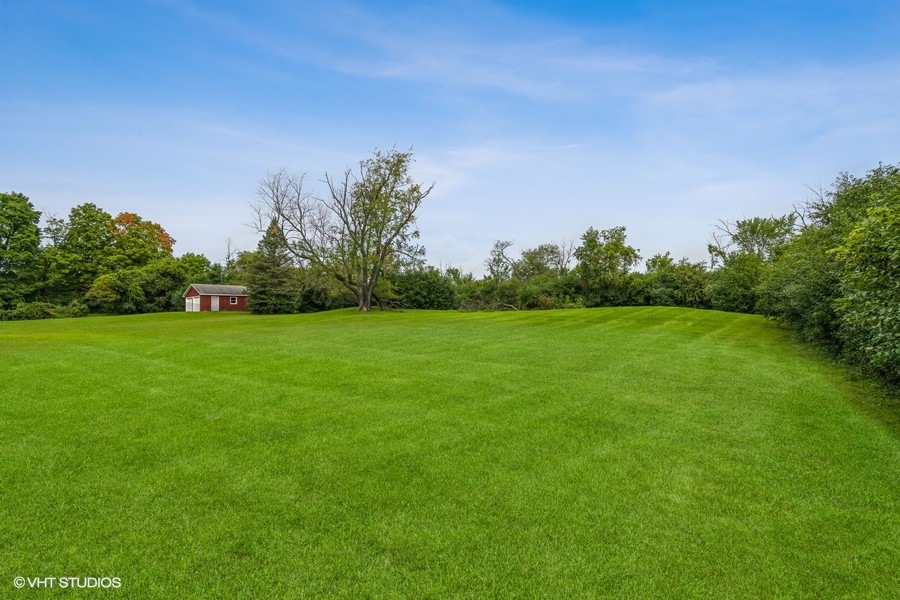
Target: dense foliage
837, 283
270, 281
90, 261
19, 248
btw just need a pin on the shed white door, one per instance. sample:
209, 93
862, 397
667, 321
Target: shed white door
214, 303
192, 304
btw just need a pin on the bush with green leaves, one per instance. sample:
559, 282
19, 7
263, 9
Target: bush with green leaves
869, 308
29, 311
155, 287
802, 287
426, 288
733, 287
667, 283
550, 291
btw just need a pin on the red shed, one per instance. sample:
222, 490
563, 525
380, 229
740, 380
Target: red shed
203, 297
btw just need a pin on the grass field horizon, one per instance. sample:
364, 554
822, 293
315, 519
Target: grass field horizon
638, 452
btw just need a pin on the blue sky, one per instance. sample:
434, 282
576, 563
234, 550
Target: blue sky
536, 120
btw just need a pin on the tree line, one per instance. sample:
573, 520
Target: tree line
91, 261
829, 269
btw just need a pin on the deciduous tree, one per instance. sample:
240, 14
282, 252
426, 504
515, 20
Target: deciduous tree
362, 228
499, 265
83, 253
20, 239
763, 236
604, 261
138, 242
540, 261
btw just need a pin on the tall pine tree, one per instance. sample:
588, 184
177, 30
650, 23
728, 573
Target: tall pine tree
271, 280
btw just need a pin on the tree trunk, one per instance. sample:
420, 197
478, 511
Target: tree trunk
365, 299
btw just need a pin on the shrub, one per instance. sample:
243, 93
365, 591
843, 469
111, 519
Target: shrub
734, 286
29, 311
424, 288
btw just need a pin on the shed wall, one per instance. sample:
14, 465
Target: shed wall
225, 303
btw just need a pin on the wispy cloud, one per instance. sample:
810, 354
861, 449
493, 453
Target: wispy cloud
365, 44
842, 90
532, 130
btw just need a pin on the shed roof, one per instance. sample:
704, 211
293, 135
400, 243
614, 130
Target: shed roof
208, 289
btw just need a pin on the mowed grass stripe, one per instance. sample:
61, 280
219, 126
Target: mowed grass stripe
606, 451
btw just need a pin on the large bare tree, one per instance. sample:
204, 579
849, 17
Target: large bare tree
360, 228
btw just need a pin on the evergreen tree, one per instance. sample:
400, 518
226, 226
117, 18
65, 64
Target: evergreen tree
270, 281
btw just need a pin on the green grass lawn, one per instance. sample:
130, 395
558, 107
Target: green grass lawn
633, 452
